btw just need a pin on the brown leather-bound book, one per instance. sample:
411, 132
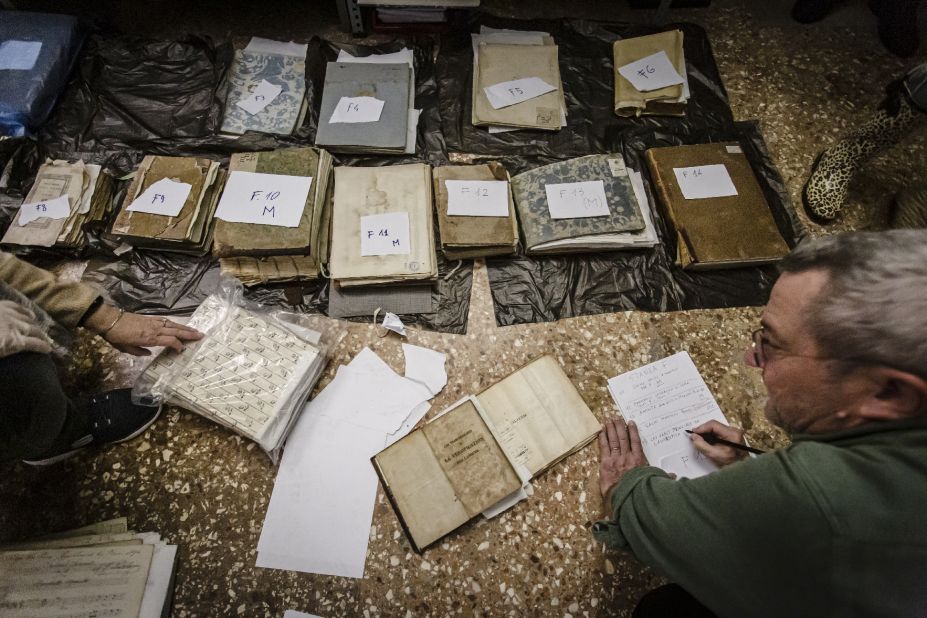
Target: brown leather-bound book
716, 232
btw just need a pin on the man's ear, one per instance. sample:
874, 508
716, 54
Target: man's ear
894, 395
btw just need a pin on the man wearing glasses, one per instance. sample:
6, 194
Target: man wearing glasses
836, 523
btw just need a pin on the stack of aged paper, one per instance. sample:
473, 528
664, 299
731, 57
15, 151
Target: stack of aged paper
665, 101
103, 569
711, 196
366, 107
192, 184
257, 253
584, 204
267, 88
504, 56
382, 226
476, 456
469, 235
87, 194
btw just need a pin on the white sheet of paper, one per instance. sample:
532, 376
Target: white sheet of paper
163, 197
574, 200
403, 55
160, 576
412, 132
19, 55
260, 45
417, 414
58, 208
385, 234
261, 97
665, 398
266, 199
651, 72
425, 366
357, 109
516, 91
392, 322
478, 198
292, 613
704, 181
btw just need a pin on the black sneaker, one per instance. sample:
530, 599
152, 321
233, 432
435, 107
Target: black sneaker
114, 418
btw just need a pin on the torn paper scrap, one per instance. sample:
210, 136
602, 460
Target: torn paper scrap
392, 322
425, 366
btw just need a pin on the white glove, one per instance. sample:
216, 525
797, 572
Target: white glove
18, 331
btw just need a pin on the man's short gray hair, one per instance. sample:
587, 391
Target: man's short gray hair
874, 306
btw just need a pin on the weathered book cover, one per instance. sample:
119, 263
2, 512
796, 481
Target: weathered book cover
280, 116
629, 101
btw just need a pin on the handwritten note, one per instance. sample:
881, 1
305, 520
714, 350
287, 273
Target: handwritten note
265, 199
385, 234
58, 208
504, 94
574, 200
478, 198
19, 55
651, 73
262, 96
665, 398
357, 109
164, 197
704, 181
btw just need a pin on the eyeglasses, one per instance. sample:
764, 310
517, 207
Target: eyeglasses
761, 353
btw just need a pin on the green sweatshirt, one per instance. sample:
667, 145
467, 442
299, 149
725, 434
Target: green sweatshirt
831, 525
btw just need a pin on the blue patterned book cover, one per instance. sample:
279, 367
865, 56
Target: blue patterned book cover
282, 115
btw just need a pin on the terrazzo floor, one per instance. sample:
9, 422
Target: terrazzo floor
207, 490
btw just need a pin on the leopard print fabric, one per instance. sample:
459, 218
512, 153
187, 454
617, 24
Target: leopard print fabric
826, 190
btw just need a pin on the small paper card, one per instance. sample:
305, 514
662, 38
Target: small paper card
478, 198
357, 109
164, 197
265, 199
651, 73
704, 181
385, 234
504, 94
260, 98
58, 208
573, 200
19, 55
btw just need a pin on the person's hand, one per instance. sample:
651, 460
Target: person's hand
19, 332
620, 451
718, 453
132, 332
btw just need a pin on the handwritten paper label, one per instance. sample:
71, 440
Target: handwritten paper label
733, 149
261, 97
573, 200
504, 94
478, 198
617, 167
357, 109
265, 199
704, 181
651, 73
385, 234
164, 197
19, 55
58, 208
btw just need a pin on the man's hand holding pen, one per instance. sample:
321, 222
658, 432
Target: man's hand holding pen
720, 454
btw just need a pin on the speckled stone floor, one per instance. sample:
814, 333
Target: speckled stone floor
207, 490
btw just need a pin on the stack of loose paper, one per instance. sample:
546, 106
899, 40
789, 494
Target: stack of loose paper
170, 204
476, 214
267, 88
318, 519
273, 219
102, 569
367, 105
516, 81
665, 398
250, 373
587, 204
64, 198
650, 75
382, 230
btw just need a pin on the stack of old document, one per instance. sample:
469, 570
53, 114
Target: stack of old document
170, 204
64, 198
368, 104
587, 204
251, 372
650, 75
516, 81
382, 225
272, 222
103, 569
267, 88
